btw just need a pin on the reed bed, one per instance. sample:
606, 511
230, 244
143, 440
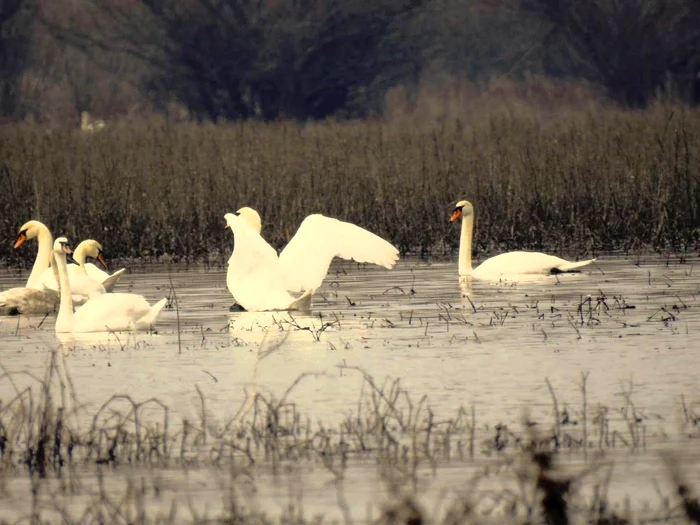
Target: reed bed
578, 182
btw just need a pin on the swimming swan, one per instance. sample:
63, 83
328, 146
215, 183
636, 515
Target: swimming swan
42, 276
87, 280
512, 263
260, 280
108, 312
92, 248
33, 298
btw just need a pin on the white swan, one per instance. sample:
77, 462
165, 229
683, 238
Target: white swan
33, 298
92, 248
506, 264
31, 230
110, 312
87, 280
42, 276
260, 280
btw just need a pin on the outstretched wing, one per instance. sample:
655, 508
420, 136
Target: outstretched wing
253, 275
305, 260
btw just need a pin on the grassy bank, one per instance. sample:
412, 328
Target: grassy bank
596, 180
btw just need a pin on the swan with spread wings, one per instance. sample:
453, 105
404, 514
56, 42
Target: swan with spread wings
261, 280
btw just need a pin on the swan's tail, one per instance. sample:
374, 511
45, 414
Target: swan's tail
112, 280
572, 266
149, 320
303, 302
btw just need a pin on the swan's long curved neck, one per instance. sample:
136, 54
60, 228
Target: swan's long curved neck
465, 245
79, 257
43, 258
79, 254
64, 320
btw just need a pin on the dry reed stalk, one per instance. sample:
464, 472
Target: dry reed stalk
577, 182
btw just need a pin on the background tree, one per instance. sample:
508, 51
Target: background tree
634, 48
304, 59
16, 17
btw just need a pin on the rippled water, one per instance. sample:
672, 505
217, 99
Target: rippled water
630, 323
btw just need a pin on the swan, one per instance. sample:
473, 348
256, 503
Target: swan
38, 230
506, 264
87, 280
92, 248
261, 280
110, 312
42, 276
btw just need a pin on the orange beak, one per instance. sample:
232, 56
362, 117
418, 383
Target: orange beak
101, 258
456, 215
20, 239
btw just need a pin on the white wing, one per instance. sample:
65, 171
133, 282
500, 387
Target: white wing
95, 273
81, 286
253, 276
109, 282
305, 260
100, 276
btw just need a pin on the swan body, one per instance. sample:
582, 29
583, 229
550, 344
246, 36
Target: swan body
506, 264
82, 287
17, 301
260, 280
105, 313
107, 281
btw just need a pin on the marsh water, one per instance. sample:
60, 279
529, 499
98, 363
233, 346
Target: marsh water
629, 325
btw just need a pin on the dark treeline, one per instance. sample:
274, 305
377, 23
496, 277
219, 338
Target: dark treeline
271, 59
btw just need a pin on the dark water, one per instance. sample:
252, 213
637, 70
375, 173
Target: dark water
630, 323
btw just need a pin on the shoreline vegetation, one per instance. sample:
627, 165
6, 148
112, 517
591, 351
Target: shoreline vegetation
515, 473
572, 182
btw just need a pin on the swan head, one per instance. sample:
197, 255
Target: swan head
29, 230
251, 217
60, 245
462, 209
93, 249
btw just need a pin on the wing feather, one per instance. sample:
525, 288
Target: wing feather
305, 260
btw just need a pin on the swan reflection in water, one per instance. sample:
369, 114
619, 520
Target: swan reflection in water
270, 322
131, 340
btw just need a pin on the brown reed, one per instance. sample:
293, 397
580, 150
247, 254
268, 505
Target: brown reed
601, 179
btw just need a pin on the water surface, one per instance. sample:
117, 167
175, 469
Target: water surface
629, 323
